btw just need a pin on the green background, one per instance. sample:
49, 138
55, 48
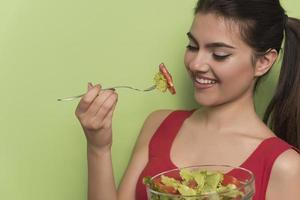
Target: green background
51, 49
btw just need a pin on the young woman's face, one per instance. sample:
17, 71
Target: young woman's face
219, 62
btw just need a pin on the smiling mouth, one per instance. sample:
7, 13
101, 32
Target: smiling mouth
205, 81
201, 82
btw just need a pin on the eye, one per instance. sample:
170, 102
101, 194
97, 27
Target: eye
192, 48
220, 56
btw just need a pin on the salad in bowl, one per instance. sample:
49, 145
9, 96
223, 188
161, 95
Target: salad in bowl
203, 182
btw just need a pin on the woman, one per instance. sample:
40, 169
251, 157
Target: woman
232, 44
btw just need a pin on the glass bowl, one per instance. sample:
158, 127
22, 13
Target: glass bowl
243, 180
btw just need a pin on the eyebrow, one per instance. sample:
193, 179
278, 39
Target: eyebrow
210, 45
191, 37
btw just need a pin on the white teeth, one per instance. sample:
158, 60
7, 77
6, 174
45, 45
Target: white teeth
205, 81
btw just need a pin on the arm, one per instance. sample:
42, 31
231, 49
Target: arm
284, 181
95, 112
101, 184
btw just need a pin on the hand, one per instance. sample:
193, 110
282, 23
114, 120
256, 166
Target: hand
95, 111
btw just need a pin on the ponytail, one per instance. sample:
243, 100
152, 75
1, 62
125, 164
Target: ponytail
283, 112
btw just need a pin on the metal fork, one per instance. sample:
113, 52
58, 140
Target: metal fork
115, 87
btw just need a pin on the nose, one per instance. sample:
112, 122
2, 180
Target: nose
198, 63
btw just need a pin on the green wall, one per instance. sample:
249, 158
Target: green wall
51, 49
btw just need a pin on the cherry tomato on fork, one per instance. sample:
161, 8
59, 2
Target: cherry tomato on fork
168, 77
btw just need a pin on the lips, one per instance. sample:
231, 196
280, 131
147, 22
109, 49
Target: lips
203, 82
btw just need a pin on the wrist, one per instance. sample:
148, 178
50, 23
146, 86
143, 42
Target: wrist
98, 151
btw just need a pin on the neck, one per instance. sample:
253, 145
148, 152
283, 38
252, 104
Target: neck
237, 113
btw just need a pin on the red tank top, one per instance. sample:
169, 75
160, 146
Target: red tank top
161, 142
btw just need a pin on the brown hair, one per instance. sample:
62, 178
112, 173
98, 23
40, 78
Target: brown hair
263, 24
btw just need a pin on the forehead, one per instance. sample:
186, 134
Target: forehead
207, 28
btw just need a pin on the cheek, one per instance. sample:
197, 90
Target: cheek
187, 61
187, 58
238, 73
239, 77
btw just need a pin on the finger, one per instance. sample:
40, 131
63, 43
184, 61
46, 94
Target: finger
107, 122
106, 107
88, 98
98, 102
98, 120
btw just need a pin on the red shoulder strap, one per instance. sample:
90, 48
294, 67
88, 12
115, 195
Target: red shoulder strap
273, 148
262, 160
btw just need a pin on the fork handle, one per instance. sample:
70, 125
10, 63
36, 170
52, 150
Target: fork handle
70, 98
77, 96
110, 88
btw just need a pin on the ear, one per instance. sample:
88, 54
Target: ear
265, 62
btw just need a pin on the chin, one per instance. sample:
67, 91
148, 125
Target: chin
205, 102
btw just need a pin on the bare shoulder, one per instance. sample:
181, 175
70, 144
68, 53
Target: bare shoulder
151, 123
285, 177
156, 117
288, 163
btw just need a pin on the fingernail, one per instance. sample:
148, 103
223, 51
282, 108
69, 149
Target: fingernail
98, 86
90, 85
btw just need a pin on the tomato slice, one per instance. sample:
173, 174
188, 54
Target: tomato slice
230, 180
164, 188
192, 184
168, 77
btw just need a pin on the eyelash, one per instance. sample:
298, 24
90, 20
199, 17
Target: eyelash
192, 48
216, 57
220, 58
